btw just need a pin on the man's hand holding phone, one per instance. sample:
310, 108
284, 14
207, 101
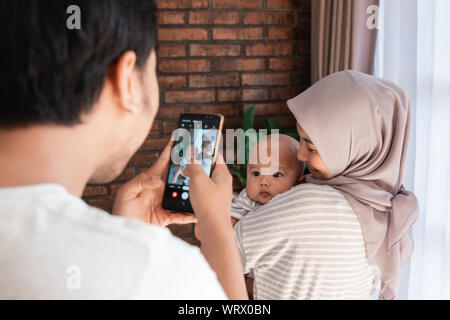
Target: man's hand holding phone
141, 197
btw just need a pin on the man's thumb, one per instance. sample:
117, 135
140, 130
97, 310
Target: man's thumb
193, 170
151, 182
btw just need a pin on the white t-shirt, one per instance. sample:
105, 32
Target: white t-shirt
54, 246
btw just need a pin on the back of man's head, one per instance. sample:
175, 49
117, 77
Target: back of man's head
52, 73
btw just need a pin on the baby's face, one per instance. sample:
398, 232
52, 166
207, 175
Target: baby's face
265, 181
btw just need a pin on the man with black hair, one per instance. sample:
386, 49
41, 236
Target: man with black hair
75, 105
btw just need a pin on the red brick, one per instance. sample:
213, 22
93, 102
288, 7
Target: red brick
182, 34
95, 190
283, 93
269, 109
192, 241
304, 18
215, 50
171, 18
105, 204
114, 188
282, 4
172, 51
289, 63
229, 95
183, 66
189, 96
231, 123
304, 49
169, 127
301, 78
143, 159
281, 33
155, 144
254, 94
272, 79
283, 18
271, 49
218, 80
226, 110
127, 174
237, 34
181, 229
238, 4
233, 64
172, 81
155, 128
182, 4
287, 122
169, 113
206, 17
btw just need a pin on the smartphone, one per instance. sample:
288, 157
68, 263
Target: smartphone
197, 135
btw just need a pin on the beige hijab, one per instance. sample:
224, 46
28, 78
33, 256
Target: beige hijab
360, 127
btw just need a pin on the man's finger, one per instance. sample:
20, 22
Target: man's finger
161, 165
179, 218
193, 170
220, 170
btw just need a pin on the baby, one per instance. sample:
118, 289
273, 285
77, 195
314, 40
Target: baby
266, 179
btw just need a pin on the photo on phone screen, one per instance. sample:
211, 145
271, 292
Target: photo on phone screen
196, 138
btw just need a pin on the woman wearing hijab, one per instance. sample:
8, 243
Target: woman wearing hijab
346, 228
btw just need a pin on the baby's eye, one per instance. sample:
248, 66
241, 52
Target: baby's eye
278, 175
255, 173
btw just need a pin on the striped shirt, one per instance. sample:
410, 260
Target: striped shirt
306, 243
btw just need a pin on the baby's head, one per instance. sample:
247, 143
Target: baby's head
278, 173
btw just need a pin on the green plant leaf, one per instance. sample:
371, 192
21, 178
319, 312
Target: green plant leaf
272, 124
249, 117
294, 135
238, 174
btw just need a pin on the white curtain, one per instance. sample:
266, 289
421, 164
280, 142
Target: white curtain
414, 51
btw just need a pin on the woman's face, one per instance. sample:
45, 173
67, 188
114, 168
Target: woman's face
309, 154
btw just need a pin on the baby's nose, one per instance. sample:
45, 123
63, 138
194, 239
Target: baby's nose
264, 181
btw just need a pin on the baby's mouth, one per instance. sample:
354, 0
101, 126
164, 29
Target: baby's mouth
264, 194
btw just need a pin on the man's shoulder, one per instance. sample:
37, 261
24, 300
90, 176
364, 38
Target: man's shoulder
116, 256
55, 213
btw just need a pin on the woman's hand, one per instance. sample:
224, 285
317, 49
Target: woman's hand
141, 197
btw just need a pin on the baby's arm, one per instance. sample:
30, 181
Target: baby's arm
240, 207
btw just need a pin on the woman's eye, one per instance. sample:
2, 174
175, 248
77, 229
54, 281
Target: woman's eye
255, 173
278, 175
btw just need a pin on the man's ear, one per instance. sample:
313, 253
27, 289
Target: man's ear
123, 78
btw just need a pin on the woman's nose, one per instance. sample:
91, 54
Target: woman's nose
302, 154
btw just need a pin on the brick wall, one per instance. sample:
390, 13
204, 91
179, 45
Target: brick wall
222, 56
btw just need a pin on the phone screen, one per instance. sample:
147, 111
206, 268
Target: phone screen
196, 137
